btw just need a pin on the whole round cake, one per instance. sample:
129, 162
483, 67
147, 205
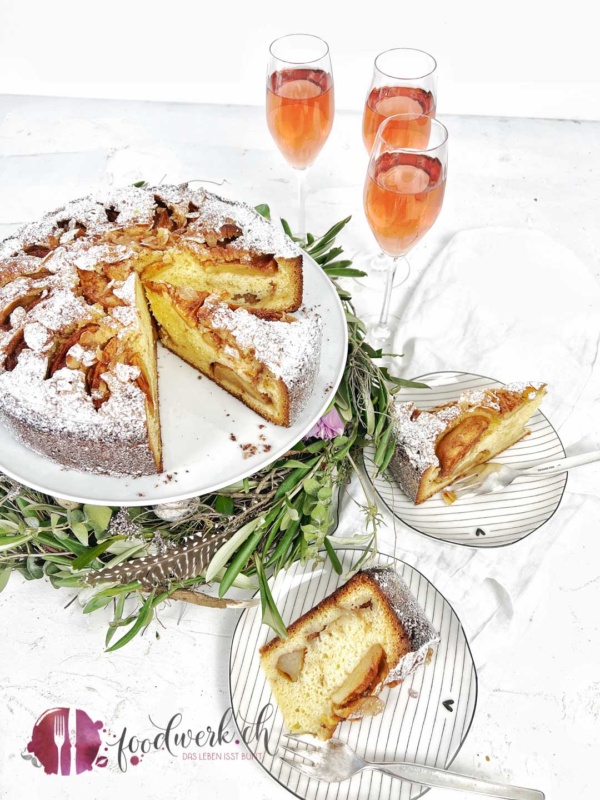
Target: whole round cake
84, 291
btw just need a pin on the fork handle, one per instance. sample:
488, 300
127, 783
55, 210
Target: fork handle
442, 779
558, 466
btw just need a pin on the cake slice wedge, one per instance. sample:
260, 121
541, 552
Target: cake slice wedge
267, 359
437, 446
336, 659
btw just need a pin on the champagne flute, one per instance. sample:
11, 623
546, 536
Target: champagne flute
404, 82
300, 103
403, 195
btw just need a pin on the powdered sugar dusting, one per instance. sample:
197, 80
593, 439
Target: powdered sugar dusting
62, 309
258, 234
421, 633
37, 337
84, 356
417, 438
126, 291
88, 257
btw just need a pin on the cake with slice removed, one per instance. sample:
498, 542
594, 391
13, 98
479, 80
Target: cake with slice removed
78, 373
437, 446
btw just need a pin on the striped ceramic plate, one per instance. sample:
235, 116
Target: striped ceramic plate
426, 718
491, 520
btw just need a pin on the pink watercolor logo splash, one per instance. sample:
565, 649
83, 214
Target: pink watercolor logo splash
65, 741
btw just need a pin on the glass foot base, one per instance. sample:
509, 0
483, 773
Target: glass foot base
381, 336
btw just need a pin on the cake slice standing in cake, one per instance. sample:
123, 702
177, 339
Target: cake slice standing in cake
266, 359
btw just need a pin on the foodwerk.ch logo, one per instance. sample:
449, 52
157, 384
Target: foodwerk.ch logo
68, 741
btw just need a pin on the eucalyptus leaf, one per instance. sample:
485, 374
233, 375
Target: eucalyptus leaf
319, 513
35, 567
81, 532
224, 504
264, 210
98, 517
10, 542
311, 486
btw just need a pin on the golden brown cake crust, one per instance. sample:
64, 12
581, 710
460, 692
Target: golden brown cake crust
334, 599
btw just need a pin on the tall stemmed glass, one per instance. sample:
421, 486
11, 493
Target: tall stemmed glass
404, 82
300, 103
403, 195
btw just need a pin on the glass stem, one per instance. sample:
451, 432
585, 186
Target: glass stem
301, 232
389, 282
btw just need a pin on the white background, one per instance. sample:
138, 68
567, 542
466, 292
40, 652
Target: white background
515, 58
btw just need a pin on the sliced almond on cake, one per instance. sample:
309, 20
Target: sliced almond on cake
59, 357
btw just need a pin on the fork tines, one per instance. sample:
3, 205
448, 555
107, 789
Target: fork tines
305, 769
307, 765
307, 739
303, 754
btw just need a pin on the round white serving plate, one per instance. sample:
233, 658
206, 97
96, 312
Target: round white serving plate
426, 718
488, 520
203, 427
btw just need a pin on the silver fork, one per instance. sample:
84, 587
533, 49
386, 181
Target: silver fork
59, 738
334, 761
494, 477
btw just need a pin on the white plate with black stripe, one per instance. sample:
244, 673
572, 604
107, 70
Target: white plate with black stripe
492, 520
425, 720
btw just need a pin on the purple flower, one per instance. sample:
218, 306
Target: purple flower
328, 427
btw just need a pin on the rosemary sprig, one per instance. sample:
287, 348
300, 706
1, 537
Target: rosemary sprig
284, 513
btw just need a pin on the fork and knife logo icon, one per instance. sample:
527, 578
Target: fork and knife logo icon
65, 741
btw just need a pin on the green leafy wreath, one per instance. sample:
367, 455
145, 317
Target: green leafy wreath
136, 558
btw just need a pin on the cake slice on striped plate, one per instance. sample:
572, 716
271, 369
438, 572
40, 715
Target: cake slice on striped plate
436, 447
337, 658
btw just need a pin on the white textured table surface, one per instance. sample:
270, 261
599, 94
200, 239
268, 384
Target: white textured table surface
537, 651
